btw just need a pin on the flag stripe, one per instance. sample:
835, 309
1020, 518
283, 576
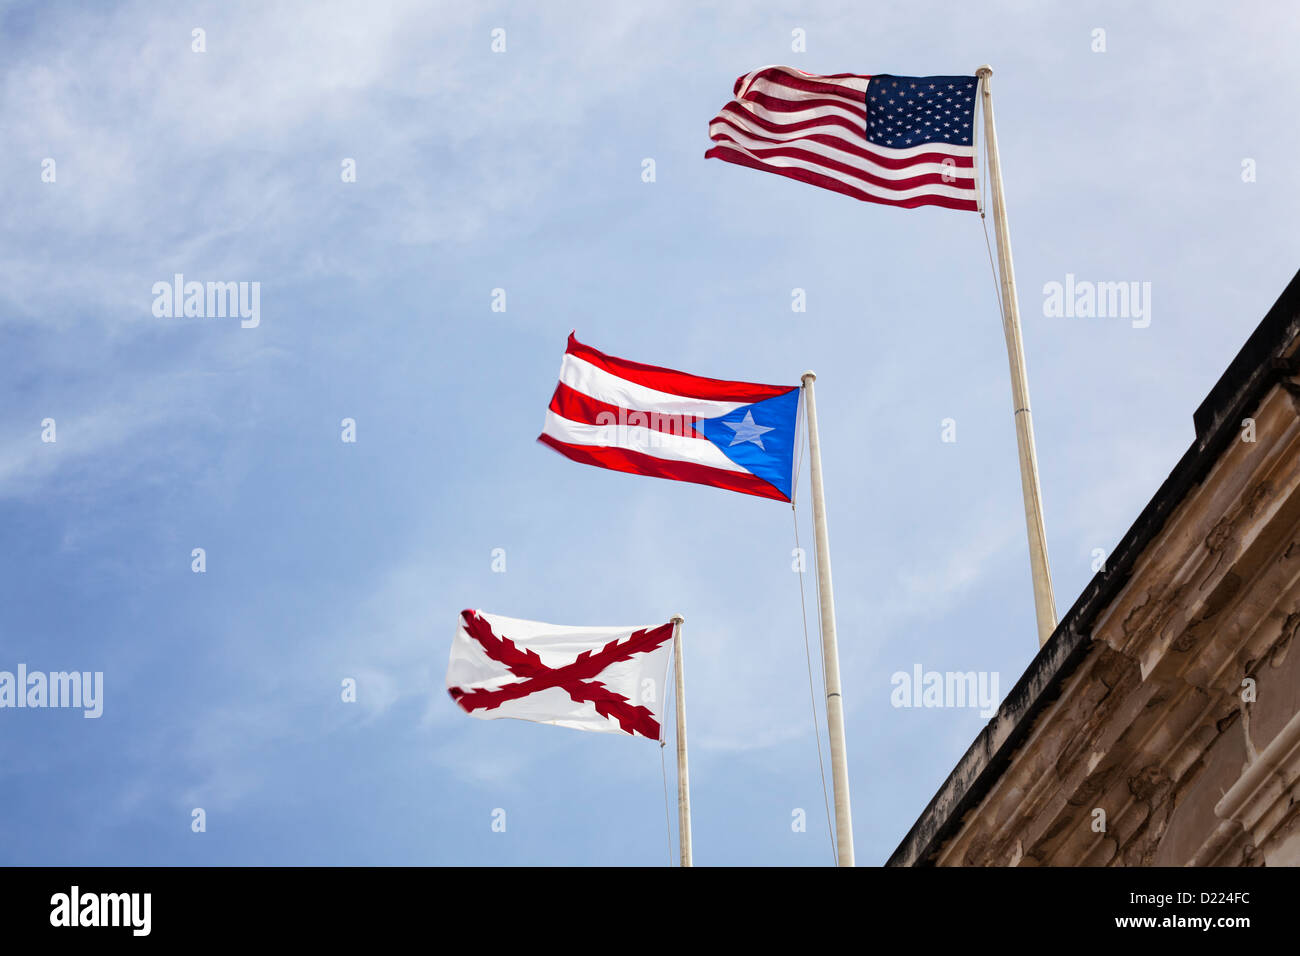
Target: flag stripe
734, 154
788, 89
605, 386
673, 383
799, 80
805, 119
650, 443
636, 463
577, 407
842, 161
802, 107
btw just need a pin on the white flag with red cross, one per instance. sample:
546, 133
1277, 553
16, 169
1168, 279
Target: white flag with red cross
608, 679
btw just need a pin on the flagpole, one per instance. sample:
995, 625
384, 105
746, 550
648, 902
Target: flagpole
683, 771
830, 650
1044, 599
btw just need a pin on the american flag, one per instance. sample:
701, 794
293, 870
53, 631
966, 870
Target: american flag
899, 140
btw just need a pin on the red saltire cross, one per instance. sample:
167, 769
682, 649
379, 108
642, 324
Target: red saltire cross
575, 678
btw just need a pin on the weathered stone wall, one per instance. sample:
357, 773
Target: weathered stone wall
1176, 741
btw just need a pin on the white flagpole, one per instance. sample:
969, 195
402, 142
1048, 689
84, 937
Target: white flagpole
1044, 599
683, 771
830, 650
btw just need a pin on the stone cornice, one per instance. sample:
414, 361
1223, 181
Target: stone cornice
1141, 641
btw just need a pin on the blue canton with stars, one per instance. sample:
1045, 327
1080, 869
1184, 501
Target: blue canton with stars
905, 111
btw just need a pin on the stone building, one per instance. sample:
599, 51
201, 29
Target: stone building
1160, 724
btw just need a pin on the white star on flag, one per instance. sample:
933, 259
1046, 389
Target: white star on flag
748, 430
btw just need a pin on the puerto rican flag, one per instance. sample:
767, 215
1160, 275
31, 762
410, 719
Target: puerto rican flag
648, 420
606, 679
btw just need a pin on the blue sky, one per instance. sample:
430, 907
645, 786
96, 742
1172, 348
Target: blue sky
522, 170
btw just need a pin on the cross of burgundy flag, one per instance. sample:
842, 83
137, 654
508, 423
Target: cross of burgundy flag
898, 140
647, 420
607, 679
